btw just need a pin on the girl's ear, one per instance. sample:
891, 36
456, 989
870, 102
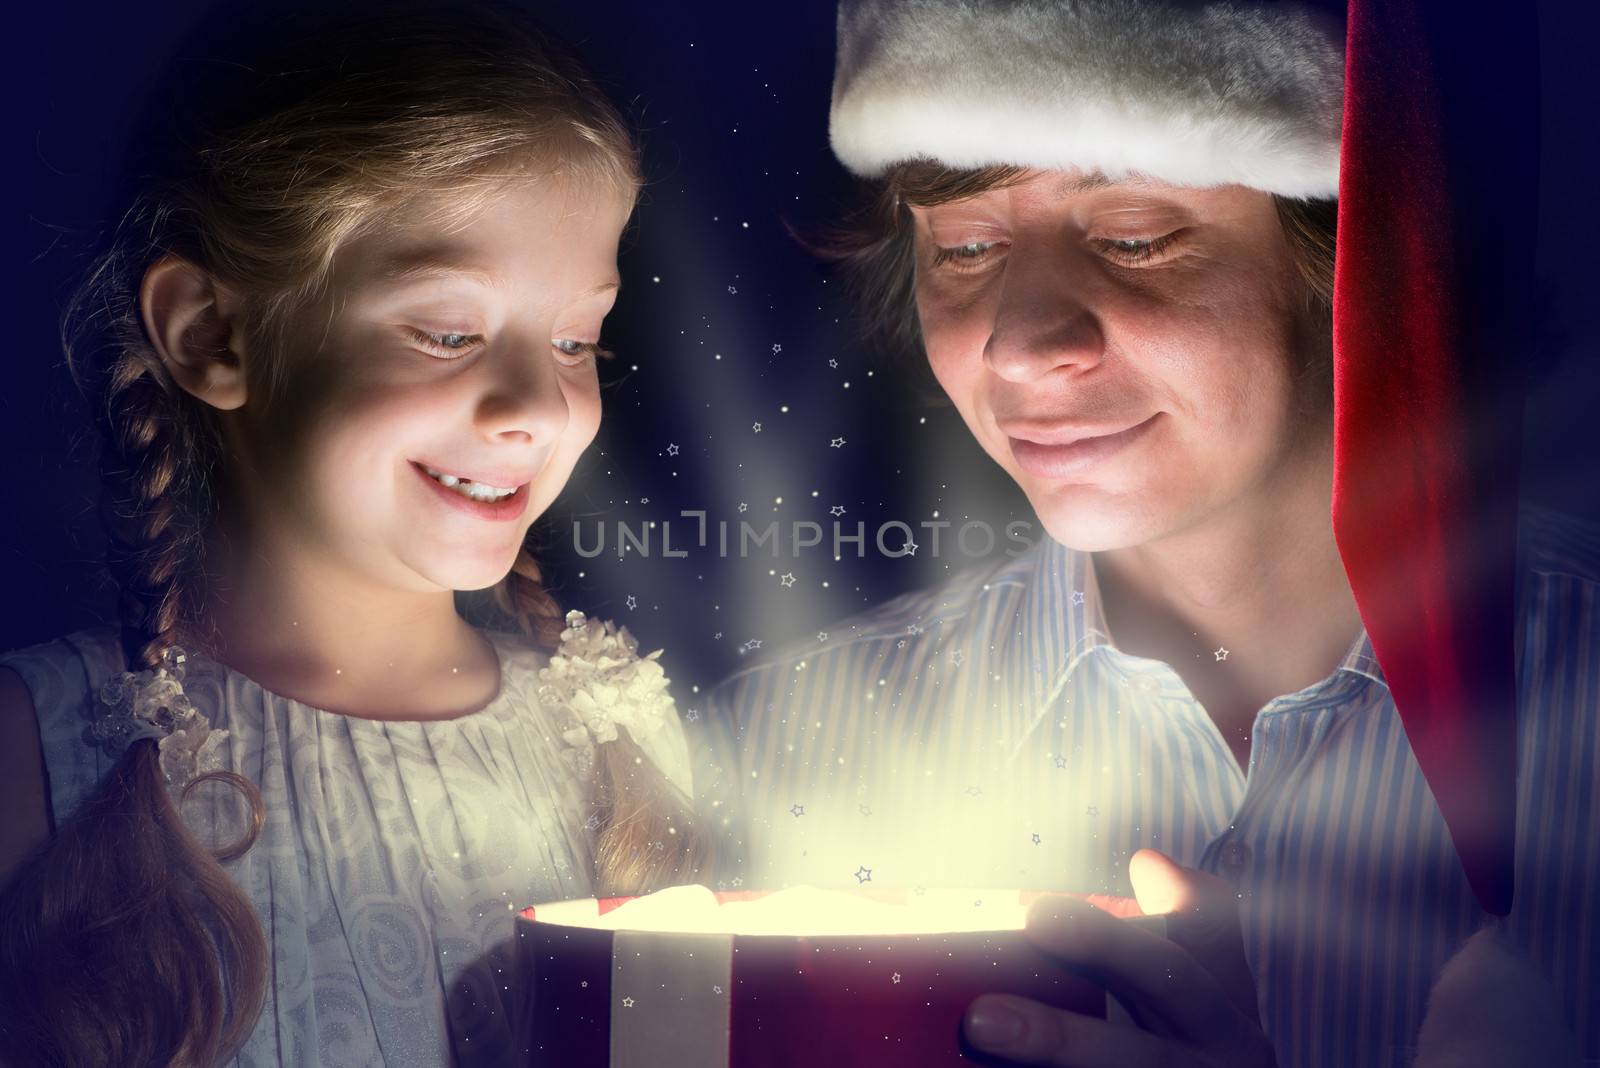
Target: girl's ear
193, 323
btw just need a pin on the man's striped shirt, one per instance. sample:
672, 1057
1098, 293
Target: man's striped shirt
987, 733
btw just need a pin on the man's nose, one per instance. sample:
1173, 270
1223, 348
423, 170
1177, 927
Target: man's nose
523, 401
1043, 320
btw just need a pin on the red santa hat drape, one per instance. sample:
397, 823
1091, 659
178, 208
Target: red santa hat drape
1437, 212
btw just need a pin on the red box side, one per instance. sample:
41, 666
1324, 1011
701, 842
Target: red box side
801, 1002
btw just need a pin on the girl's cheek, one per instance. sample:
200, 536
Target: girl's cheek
584, 412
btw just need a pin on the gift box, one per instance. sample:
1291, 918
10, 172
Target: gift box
795, 978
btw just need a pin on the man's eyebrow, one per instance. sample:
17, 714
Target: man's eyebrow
1081, 183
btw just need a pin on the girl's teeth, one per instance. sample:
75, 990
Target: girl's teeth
475, 490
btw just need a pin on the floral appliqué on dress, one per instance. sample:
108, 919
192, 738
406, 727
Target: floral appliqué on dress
597, 682
151, 704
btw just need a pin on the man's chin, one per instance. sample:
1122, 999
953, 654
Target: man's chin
1090, 523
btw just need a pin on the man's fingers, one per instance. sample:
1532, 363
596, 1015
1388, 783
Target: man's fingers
1026, 1032
1202, 916
1143, 968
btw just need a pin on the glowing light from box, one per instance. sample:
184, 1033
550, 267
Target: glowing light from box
803, 911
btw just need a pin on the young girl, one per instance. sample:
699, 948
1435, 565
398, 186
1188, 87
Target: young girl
343, 355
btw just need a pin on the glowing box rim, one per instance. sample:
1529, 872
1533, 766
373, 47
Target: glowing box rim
596, 998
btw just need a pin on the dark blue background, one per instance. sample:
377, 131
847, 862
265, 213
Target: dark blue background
731, 103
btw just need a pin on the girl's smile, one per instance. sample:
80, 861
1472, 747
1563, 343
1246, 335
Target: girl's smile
476, 497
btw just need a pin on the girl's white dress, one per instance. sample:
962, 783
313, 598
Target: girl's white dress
394, 857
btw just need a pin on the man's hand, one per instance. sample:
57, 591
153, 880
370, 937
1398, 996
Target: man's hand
1191, 991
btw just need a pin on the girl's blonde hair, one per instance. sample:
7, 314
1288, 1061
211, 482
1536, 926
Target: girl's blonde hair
124, 942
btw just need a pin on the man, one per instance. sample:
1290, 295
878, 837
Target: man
1115, 222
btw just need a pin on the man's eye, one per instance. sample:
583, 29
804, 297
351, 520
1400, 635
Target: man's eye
448, 346
973, 252
1133, 249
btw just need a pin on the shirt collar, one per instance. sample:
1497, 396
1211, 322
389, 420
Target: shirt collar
1362, 661
1062, 622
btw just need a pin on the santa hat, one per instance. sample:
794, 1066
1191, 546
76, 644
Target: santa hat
1430, 279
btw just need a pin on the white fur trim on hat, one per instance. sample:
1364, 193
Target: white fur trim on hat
1188, 93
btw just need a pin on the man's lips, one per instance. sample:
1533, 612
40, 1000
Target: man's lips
1064, 451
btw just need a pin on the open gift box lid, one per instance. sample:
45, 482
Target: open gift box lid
594, 991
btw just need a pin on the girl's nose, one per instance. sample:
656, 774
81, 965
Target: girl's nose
523, 401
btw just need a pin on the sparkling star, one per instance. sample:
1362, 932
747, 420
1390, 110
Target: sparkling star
895, 978
632, 601
911, 548
1221, 654
787, 579
919, 890
733, 290
627, 1003
692, 715
743, 507
863, 875
956, 658
836, 443
1036, 839
822, 635
833, 363
756, 427
672, 450
717, 637
837, 509
1077, 596
866, 810
1061, 761
716, 989
737, 882
777, 349
797, 811
974, 791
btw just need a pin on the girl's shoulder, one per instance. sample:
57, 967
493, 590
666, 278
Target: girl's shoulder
596, 681
520, 656
62, 677
63, 670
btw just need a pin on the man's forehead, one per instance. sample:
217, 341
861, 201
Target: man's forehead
1072, 183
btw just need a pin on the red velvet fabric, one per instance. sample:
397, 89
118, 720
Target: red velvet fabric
1429, 286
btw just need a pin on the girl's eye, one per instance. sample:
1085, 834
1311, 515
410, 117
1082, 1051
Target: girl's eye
1135, 250
964, 257
447, 346
574, 353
